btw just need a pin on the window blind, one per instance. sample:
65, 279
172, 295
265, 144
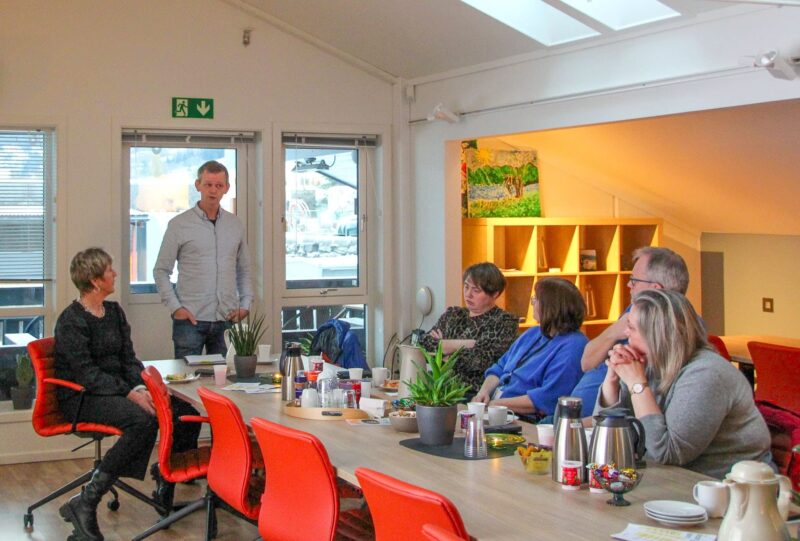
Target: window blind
24, 174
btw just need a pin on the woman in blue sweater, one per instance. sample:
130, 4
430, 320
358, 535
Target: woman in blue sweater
545, 362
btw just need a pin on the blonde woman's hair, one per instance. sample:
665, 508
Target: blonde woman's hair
87, 266
673, 332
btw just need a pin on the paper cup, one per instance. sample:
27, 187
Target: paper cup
220, 375
356, 373
264, 352
379, 375
545, 435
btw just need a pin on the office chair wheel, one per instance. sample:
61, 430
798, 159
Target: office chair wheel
113, 504
28, 521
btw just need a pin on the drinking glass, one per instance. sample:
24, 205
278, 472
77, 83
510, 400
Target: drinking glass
350, 399
325, 387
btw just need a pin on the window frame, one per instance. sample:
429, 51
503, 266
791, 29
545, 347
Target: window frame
49, 178
243, 142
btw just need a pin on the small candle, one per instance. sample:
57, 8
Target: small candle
276, 377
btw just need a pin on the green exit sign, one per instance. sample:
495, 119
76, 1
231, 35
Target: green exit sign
192, 108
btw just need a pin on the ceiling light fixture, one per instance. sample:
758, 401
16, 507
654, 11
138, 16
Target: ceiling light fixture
777, 66
440, 112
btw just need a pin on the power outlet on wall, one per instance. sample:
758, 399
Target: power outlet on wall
767, 304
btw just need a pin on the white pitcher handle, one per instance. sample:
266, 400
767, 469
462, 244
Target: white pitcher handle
784, 496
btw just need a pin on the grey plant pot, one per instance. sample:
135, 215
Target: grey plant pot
245, 366
22, 397
437, 424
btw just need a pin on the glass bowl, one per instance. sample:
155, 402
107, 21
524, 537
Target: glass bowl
503, 441
617, 482
535, 459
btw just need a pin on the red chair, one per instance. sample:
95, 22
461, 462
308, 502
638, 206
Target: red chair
385, 495
777, 374
49, 421
233, 457
717, 342
301, 500
178, 467
435, 533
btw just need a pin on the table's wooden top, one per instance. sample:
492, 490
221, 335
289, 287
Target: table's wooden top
737, 344
497, 498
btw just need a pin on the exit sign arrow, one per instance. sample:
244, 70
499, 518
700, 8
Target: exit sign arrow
192, 108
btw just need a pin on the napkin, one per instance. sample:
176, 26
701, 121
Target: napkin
375, 407
638, 532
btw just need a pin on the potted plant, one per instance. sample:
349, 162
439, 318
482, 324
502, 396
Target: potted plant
244, 336
436, 393
22, 394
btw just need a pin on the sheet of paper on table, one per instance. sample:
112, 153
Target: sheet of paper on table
195, 360
639, 532
253, 388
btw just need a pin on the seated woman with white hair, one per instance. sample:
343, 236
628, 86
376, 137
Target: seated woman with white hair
696, 408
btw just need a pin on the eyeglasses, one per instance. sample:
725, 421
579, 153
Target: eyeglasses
633, 281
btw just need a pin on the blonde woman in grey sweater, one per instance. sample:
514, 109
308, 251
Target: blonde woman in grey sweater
697, 409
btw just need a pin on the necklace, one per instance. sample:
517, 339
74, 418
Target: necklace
96, 312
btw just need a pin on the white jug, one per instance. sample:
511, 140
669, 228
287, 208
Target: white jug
411, 360
756, 509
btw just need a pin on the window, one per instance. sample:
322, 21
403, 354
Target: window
27, 159
162, 167
324, 238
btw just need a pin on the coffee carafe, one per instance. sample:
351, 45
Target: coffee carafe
618, 438
291, 363
756, 509
569, 443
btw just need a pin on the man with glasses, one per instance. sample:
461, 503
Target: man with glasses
653, 268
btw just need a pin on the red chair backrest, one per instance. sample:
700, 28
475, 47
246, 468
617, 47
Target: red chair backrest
300, 501
45, 410
386, 495
777, 374
435, 533
230, 468
160, 393
717, 342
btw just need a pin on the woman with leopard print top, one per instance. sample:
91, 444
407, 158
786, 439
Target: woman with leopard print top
481, 320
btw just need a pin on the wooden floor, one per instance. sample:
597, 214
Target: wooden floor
22, 484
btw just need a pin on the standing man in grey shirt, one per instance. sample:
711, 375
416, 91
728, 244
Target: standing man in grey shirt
214, 285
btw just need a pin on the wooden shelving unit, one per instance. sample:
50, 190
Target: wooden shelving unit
529, 249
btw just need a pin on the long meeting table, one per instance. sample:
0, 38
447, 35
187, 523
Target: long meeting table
497, 499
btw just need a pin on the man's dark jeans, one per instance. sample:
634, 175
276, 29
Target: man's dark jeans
190, 339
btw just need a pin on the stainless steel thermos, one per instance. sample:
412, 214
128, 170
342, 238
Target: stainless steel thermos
291, 364
569, 443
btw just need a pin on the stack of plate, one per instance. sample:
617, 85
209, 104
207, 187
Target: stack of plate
675, 513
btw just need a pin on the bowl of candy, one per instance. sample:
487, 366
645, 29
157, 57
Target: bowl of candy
535, 459
617, 482
404, 421
404, 404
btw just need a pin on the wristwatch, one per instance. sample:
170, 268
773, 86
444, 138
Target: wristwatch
638, 388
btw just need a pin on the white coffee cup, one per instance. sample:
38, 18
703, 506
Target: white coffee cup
220, 374
379, 375
263, 353
309, 398
712, 496
498, 415
366, 388
477, 408
545, 435
356, 373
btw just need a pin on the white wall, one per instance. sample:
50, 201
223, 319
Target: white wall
90, 68
758, 266
689, 68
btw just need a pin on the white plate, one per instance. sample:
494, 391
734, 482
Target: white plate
670, 522
651, 514
675, 509
187, 379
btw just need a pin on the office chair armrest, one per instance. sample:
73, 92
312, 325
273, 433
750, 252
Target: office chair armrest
194, 419
65, 383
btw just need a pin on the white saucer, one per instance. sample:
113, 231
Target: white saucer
675, 510
656, 516
677, 522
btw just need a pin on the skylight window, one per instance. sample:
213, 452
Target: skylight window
621, 14
535, 19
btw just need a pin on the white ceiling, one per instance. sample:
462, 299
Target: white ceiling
418, 38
